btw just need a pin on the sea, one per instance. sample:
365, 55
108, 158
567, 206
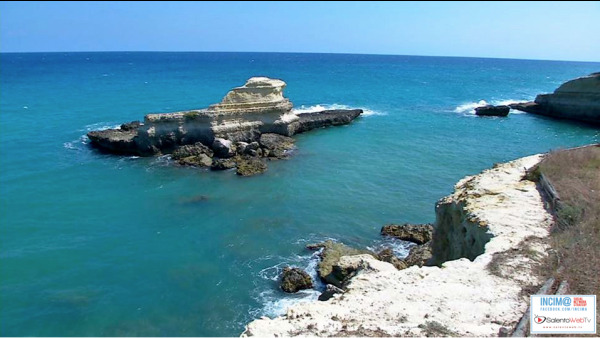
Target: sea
100, 245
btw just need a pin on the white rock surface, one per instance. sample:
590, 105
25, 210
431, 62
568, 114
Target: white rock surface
464, 297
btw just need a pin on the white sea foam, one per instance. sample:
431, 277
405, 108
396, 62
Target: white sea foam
399, 248
469, 107
320, 107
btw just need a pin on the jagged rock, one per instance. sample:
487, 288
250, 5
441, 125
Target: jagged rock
419, 255
223, 163
577, 99
387, 255
326, 118
330, 256
275, 145
295, 279
490, 110
245, 113
116, 141
416, 233
330, 290
133, 125
223, 148
191, 150
248, 166
195, 155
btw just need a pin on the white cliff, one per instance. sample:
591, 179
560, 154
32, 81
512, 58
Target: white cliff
495, 218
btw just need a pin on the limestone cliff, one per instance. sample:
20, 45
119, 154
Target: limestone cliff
495, 220
577, 99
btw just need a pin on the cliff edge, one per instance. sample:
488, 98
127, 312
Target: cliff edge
577, 99
489, 239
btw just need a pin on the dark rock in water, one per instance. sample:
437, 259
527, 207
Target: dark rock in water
275, 145
330, 290
419, 255
195, 199
133, 125
490, 110
248, 166
416, 233
195, 155
191, 150
116, 141
387, 255
577, 99
294, 280
326, 118
223, 148
330, 256
223, 163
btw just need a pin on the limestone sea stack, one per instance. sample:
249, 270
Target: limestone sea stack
577, 99
244, 114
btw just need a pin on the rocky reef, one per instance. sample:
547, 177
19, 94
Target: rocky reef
577, 99
254, 120
489, 237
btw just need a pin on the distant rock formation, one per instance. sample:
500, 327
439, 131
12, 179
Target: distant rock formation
578, 99
490, 110
254, 120
294, 280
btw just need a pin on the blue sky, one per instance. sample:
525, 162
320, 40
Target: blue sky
529, 30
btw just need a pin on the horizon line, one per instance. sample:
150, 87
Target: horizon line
271, 52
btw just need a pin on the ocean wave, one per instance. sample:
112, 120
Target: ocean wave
320, 107
399, 248
469, 107
274, 302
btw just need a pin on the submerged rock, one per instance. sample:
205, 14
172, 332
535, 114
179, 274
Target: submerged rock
416, 233
295, 279
490, 110
577, 99
249, 166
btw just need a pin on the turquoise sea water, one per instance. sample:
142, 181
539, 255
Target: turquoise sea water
93, 244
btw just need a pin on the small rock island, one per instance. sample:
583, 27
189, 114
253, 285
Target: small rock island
252, 122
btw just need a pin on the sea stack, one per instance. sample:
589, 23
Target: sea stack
243, 115
577, 99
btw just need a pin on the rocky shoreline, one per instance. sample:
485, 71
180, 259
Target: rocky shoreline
252, 123
488, 237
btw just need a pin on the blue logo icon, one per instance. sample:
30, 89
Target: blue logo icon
567, 301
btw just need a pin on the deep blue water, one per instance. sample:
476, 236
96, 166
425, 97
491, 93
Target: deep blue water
94, 244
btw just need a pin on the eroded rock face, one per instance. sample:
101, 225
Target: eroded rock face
415, 233
577, 99
295, 279
244, 114
276, 145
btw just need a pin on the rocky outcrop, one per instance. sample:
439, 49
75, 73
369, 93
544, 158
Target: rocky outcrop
328, 268
415, 233
294, 280
578, 99
465, 297
196, 155
244, 114
330, 290
249, 166
275, 145
490, 110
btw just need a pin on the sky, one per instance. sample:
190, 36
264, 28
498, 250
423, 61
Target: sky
523, 30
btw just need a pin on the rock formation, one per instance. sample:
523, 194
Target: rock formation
254, 120
294, 280
577, 99
495, 222
415, 233
490, 110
